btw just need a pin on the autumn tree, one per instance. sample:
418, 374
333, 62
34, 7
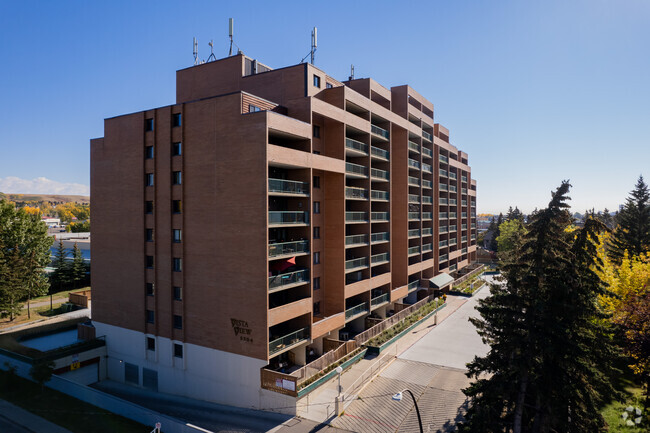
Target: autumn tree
632, 233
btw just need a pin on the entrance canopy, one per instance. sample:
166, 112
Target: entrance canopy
440, 281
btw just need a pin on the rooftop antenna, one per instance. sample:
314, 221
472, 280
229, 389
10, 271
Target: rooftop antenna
195, 47
231, 28
314, 43
212, 56
351, 77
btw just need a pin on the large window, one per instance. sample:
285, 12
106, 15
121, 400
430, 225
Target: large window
316, 81
151, 343
148, 235
149, 289
148, 207
148, 262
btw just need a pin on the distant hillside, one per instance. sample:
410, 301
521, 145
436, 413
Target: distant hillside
51, 198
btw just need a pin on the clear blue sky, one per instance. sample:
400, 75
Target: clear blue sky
535, 91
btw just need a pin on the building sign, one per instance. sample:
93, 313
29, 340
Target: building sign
241, 329
75, 364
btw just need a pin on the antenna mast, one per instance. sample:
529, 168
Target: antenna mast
195, 48
212, 56
231, 28
314, 43
351, 73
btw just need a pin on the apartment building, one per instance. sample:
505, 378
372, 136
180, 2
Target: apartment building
264, 212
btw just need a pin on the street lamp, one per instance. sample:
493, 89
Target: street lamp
339, 370
398, 397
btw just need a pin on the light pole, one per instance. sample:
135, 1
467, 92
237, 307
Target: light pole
398, 397
339, 370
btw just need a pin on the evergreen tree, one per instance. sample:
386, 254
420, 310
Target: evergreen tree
607, 219
514, 214
544, 371
61, 275
633, 230
77, 269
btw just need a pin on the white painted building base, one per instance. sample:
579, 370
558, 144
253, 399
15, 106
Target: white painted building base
203, 373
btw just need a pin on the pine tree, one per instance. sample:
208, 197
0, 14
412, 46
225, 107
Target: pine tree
544, 371
60, 276
633, 230
77, 269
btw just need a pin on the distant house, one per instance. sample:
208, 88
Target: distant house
51, 222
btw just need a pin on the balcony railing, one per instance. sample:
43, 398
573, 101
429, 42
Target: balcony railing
381, 299
379, 259
426, 183
473, 225
463, 226
288, 340
413, 163
414, 198
452, 188
427, 136
361, 262
453, 267
453, 215
443, 258
473, 204
427, 152
443, 173
289, 279
379, 174
414, 181
463, 239
356, 240
443, 187
414, 216
379, 131
463, 203
427, 168
282, 186
356, 193
443, 202
379, 216
428, 231
379, 153
463, 214
452, 242
427, 215
427, 199
414, 250
463, 179
356, 169
427, 247
442, 215
288, 217
288, 248
376, 238
443, 229
463, 250
379, 195
444, 159
452, 175
452, 202
356, 310
413, 285
356, 145
356, 217
452, 228
414, 147
473, 237
414, 233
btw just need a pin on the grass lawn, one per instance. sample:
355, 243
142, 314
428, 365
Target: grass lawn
63, 410
632, 396
40, 311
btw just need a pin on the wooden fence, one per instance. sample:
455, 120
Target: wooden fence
279, 382
329, 358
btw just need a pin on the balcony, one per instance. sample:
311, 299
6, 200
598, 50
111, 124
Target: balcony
378, 238
289, 340
414, 147
473, 237
356, 240
379, 131
443, 187
473, 204
355, 311
413, 164
452, 228
288, 280
356, 170
354, 147
427, 199
443, 202
378, 153
427, 231
427, 168
452, 188
413, 251
473, 225
442, 244
463, 191
288, 218
427, 152
378, 174
356, 264
453, 202
284, 249
463, 214
452, 242
356, 217
444, 159
426, 183
442, 215
427, 215
463, 227
414, 198
463, 203
355, 193
413, 285
414, 233
379, 259
414, 216
463, 250
427, 248
379, 195
427, 136
379, 217
443, 173
452, 215
452, 175
463, 239
443, 229
414, 181
380, 300
463, 179
453, 267
288, 187
443, 258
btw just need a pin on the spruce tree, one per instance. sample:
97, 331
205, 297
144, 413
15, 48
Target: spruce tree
77, 268
633, 230
60, 276
545, 369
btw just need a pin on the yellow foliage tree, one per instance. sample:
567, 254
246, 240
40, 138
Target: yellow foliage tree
32, 210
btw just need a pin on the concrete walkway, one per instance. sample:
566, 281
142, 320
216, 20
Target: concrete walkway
16, 419
84, 312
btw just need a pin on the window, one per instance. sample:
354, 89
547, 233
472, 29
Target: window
316, 207
176, 235
178, 322
148, 207
316, 232
316, 130
148, 152
151, 343
316, 81
328, 85
149, 289
316, 181
316, 283
178, 293
176, 119
150, 316
178, 350
176, 149
148, 179
131, 373
148, 125
177, 264
176, 178
253, 108
176, 206
317, 308
148, 262
316, 258
148, 235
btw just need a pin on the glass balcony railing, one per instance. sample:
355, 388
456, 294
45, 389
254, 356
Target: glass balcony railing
426, 248
289, 279
442, 244
463, 203
356, 217
361, 262
414, 250
413, 164
379, 153
452, 242
379, 195
288, 340
473, 204
414, 181
288, 248
427, 136
463, 214
356, 145
379, 174
443, 202
413, 285
427, 199
463, 191
414, 147
463, 239
427, 231
414, 233
444, 159
379, 216
452, 215
414, 216
452, 175
443, 229
453, 267
288, 217
452, 228
356, 240
463, 179
473, 214
356, 169
356, 193
442, 215
376, 238
463, 250
443, 173
356, 310
379, 131
473, 237
414, 198
379, 259
463, 227
452, 202
473, 226
427, 152
281, 186
381, 299
443, 187
426, 183
443, 258
427, 168
452, 188
427, 215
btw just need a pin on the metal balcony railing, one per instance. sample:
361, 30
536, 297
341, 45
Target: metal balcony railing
288, 248
283, 186
379, 216
288, 217
379, 174
356, 169
414, 233
356, 240
379, 237
379, 195
379, 131
356, 145
356, 193
379, 299
414, 147
351, 217
378, 259
290, 278
356, 310
361, 262
379, 153
288, 340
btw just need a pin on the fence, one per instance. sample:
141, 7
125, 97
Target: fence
324, 361
470, 274
366, 376
80, 298
279, 382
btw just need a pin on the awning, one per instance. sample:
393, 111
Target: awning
440, 281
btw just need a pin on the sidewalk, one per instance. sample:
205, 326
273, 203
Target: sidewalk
18, 417
319, 405
84, 312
